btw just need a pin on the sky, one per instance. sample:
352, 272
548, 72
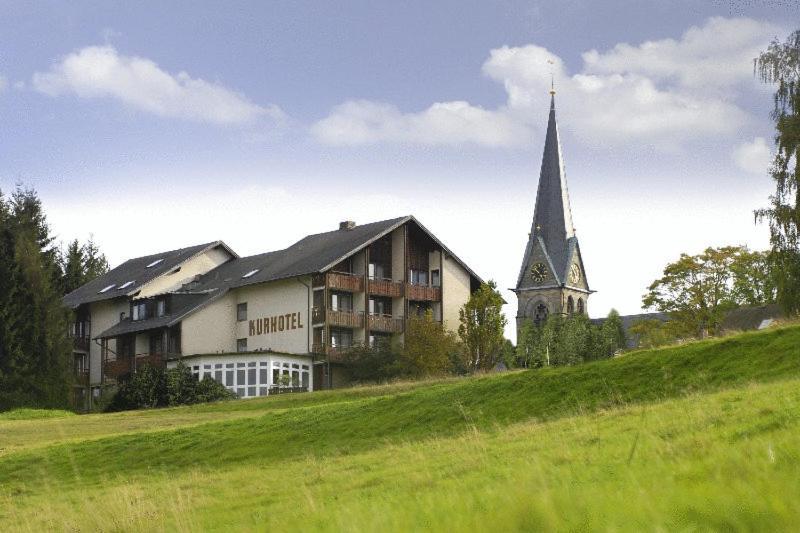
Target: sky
157, 125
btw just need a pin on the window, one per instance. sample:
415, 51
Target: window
418, 277
229, 375
341, 338
305, 380
580, 306
241, 345
377, 271
342, 301
250, 273
276, 376
154, 263
240, 374
218, 372
541, 314
125, 285
263, 372
436, 278
106, 289
380, 306
241, 312
570, 305
156, 343
161, 308
139, 311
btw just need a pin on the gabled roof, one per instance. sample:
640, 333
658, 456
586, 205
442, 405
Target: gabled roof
552, 215
130, 276
310, 255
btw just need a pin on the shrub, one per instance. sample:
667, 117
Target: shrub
153, 386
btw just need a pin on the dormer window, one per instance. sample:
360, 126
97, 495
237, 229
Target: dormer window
139, 311
125, 285
106, 289
154, 263
250, 273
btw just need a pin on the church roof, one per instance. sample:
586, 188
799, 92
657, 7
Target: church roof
552, 216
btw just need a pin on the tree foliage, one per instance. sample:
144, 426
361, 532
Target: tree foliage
780, 65
698, 290
481, 327
570, 340
35, 354
80, 264
155, 386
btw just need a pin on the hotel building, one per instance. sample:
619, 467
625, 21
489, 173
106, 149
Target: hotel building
259, 323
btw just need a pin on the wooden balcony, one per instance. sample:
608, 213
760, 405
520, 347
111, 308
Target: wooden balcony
334, 355
121, 366
385, 287
81, 344
386, 323
81, 378
423, 293
340, 281
337, 318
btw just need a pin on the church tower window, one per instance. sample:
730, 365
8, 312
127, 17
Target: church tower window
570, 306
580, 306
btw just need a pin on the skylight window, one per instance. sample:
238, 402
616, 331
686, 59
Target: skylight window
154, 263
107, 288
250, 273
125, 285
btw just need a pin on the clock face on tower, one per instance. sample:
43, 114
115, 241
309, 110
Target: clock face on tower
574, 274
538, 272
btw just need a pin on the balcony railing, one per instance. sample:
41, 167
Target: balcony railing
80, 332
423, 293
341, 281
123, 365
385, 287
81, 378
386, 323
338, 318
334, 354
81, 343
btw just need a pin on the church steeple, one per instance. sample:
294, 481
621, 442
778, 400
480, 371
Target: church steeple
552, 274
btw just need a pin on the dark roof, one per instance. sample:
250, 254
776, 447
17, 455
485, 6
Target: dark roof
137, 272
182, 304
629, 320
552, 228
310, 255
744, 318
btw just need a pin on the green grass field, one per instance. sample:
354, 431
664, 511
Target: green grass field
704, 436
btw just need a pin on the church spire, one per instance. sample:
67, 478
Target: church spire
552, 218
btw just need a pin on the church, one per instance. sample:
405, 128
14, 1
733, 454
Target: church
552, 277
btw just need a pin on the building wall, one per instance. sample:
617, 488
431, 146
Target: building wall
211, 329
197, 265
285, 305
455, 292
103, 315
399, 254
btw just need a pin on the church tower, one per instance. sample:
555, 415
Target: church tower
552, 279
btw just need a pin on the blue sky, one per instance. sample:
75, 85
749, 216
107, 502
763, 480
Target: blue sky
154, 125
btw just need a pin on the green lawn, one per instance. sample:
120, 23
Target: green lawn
697, 437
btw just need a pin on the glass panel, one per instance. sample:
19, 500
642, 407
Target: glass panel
276, 373
262, 391
218, 375
262, 378
240, 392
305, 380
251, 376
229, 378
251, 391
295, 378
240, 377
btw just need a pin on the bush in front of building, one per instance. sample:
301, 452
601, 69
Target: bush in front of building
153, 386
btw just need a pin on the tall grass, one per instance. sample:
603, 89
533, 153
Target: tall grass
642, 441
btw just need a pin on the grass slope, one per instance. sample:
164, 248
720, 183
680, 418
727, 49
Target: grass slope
589, 446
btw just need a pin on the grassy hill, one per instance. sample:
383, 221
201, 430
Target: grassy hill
702, 436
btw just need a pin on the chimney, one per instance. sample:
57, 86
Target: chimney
347, 225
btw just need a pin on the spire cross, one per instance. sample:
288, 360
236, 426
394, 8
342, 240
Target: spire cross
552, 83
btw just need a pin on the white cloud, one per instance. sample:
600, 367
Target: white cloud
101, 72
660, 92
364, 122
754, 157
